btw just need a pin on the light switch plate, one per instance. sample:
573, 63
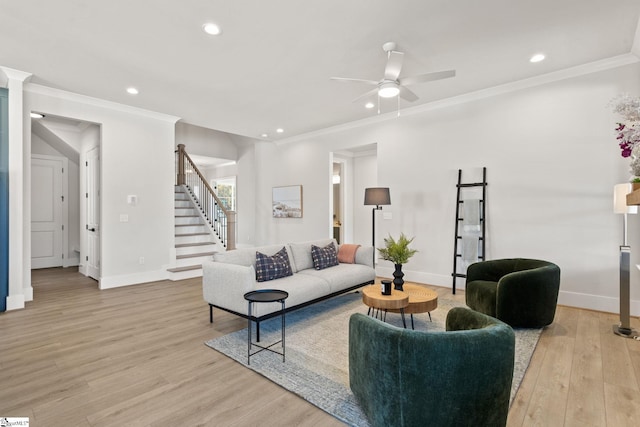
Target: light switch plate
387, 215
124, 218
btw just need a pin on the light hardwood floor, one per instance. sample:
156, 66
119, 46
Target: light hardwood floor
77, 356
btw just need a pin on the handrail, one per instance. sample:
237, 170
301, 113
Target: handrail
222, 220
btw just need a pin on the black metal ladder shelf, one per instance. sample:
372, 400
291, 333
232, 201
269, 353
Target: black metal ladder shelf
458, 236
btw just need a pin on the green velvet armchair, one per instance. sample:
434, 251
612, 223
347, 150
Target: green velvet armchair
520, 292
461, 377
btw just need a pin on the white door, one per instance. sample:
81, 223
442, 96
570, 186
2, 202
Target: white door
46, 212
93, 213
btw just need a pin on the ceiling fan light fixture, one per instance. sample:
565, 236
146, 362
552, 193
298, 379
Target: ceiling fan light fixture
388, 90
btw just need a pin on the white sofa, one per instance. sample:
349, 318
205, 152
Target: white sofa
231, 274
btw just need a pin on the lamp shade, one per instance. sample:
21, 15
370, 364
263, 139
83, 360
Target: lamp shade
620, 192
377, 196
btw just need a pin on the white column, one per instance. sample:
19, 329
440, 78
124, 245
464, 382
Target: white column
20, 289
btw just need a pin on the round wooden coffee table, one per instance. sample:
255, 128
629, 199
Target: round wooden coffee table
421, 300
396, 302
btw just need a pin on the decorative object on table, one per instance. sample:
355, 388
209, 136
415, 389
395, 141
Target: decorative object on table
628, 130
399, 253
287, 201
386, 287
624, 328
521, 292
376, 196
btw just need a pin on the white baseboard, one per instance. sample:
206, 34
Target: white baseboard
27, 292
596, 302
71, 262
132, 279
417, 276
15, 302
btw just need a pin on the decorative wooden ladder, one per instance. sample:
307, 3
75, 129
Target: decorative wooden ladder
457, 235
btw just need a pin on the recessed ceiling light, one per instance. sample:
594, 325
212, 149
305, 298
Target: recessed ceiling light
537, 57
212, 29
36, 115
264, 135
279, 130
132, 90
369, 105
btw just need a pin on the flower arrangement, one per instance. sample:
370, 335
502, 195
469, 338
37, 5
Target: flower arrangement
628, 130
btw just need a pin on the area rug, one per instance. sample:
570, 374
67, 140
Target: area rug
317, 352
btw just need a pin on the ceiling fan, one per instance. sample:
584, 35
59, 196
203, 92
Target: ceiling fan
391, 84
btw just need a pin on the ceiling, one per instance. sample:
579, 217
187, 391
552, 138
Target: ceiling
271, 66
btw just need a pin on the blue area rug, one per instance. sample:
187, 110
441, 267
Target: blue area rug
317, 352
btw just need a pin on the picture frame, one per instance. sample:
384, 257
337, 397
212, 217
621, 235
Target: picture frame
287, 201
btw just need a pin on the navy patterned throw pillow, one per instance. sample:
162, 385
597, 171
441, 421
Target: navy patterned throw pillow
324, 257
272, 267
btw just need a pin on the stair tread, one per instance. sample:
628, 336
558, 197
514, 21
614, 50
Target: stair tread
191, 234
185, 268
195, 255
186, 216
190, 225
186, 245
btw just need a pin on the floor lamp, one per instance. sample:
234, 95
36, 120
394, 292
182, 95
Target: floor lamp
376, 196
620, 206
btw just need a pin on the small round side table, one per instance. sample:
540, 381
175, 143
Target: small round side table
265, 295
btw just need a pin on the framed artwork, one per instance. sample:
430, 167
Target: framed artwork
287, 201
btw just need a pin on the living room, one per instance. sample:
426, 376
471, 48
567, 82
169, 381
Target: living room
547, 141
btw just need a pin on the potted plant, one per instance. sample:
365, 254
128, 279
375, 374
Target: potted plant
398, 252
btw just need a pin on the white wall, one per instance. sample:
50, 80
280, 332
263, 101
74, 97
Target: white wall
205, 142
552, 162
128, 136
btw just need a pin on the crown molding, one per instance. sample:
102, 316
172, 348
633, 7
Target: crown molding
580, 70
97, 102
13, 74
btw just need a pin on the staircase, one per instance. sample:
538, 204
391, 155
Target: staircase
193, 239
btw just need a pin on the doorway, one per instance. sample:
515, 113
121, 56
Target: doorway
337, 180
72, 146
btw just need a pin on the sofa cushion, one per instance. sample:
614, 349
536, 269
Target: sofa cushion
247, 256
342, 276
301, 252
347, 253
324, 257
272, 267
301, 289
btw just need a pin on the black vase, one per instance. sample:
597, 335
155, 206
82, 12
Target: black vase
397, 278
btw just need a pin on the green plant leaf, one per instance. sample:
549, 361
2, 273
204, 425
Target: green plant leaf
397, 251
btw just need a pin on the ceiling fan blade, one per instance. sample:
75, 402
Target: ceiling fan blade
366, 94
407, 94
394, 65
347, 79
429, 77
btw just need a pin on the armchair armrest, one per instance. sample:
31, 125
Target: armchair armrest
528, 297
224, 285
491, 270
